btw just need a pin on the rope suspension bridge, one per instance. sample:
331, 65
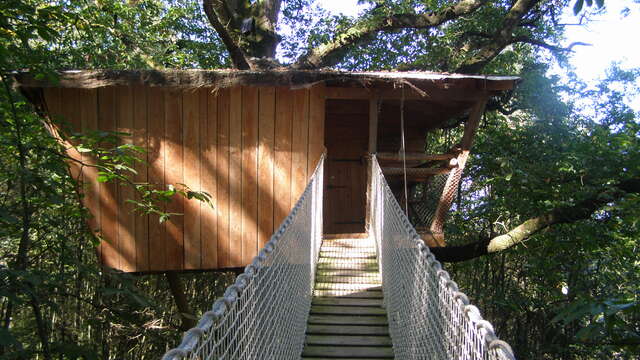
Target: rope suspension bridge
381, 297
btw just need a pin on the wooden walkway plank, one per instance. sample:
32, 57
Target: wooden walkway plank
350, 340
348, 329
347, 351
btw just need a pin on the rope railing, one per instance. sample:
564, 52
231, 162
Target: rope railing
429, 318
263, 315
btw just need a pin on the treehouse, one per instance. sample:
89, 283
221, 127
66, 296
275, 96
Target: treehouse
252, 140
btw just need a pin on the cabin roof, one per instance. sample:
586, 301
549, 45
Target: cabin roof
295, 78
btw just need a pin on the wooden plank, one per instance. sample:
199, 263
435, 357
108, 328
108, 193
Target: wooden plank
299, 144
126, 221
432, 94
155, 173
348, 310
414, 172
140, 138
373, 124
235, 177
209, 141
91, 187
349, 294
347, 329
108, 191
347, 320
192, 178
266, 130
394, 156
350, 340
224, 254
71, 126
346, 301
249, 173
316, 126
348, 351
282, 155
173, 175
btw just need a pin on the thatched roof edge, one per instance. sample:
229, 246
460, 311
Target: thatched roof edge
89, 79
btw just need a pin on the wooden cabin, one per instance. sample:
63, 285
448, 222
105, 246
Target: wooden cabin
251, 140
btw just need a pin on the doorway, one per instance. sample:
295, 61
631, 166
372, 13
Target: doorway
346, 140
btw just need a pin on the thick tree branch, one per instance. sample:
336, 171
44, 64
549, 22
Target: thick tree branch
561, 215
216, 13
331, 52
501, 38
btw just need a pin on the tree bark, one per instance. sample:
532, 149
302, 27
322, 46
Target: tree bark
177, 290
562, 215
333, 51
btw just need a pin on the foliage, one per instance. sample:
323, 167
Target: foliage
570, 292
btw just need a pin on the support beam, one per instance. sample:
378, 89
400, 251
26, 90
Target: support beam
393, 156
373, 124
414, 172
470, 128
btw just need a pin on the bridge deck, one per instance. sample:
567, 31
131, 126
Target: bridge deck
347, 320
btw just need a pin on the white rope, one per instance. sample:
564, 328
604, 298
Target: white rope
429, 318
404, 154
264, 314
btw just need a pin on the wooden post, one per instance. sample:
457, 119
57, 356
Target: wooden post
455, 175
373, 124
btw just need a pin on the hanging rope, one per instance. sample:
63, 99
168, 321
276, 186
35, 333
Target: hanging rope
404, 155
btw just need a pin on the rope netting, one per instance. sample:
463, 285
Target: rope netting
264, 314
428, 317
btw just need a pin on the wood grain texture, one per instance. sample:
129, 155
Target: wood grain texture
89, 118
266, 135
155, 155
235, 177
209, 141
192, 178
108, 191
140, 138
126, 220
249, 174
316, 126
282, 155
174, 175
223, 178
299, 143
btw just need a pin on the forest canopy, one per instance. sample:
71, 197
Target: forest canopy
544, 234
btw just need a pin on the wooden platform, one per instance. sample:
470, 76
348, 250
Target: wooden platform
347, 320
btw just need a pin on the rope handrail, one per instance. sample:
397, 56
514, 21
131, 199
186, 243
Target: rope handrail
429, 318
263, 315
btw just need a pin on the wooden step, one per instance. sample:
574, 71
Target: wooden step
348, 261
347, 266
347, 254
347, 310
346, 301
359, 358
363, 294
347, 329
349, 279
348, 351
345, 236
349, 340
347, 320
346, 287
345, 272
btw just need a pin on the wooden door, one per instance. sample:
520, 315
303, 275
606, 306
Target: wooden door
346, 139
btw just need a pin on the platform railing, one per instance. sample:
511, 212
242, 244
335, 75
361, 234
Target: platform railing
429, 318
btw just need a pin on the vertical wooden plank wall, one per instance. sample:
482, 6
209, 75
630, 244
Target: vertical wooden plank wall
251, 148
